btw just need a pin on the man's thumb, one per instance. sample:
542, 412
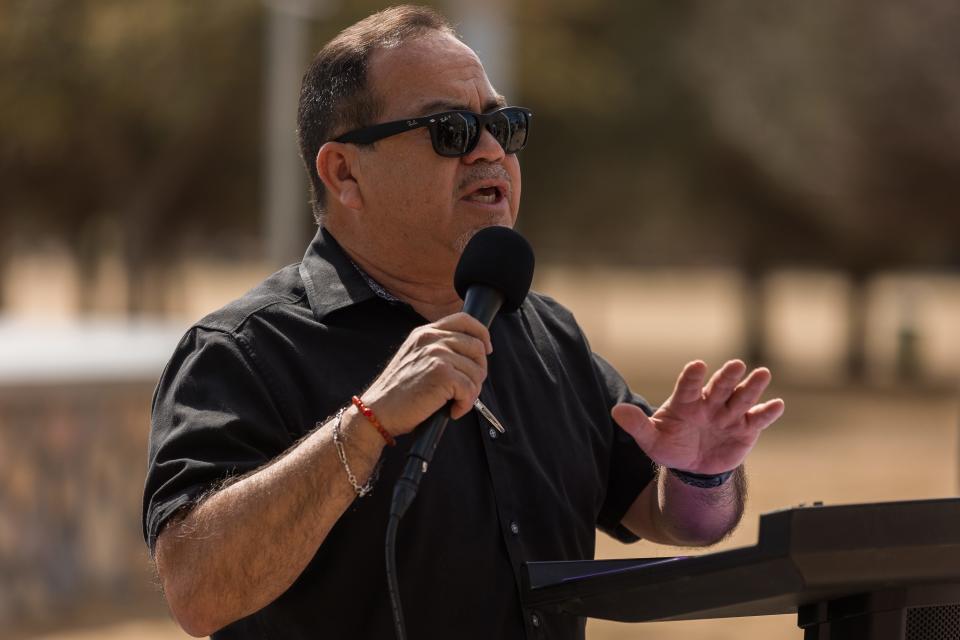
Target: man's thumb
634, 421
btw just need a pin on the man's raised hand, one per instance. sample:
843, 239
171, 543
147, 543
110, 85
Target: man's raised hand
704, 428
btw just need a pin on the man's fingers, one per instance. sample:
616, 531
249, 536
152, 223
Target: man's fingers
465, 345
634, 421
465, 379
763, 415
748, 392
465, 323
723, 381
477, 373
690, 382
465, 392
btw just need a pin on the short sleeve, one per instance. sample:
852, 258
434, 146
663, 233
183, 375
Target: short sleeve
630, 468
213, 418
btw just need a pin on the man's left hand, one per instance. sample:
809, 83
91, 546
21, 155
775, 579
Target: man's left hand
704, 429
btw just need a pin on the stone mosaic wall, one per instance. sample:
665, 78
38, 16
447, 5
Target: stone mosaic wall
72, 464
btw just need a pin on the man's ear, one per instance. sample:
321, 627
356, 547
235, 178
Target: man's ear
335, 165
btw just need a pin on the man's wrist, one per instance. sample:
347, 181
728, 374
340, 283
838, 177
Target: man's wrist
361, 437
373, 420
702, 480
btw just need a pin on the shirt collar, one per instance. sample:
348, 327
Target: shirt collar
375, 286
330, 278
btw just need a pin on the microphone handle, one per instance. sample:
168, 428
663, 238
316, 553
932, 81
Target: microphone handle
482, 302
418, 459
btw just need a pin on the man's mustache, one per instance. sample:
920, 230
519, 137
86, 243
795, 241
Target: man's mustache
487, 171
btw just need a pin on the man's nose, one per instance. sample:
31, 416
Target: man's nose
487, 149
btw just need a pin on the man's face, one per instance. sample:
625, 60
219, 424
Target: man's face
429, 203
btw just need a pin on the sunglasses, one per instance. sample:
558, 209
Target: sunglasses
455, 133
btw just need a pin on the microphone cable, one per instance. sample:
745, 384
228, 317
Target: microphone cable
404, 492
393, 586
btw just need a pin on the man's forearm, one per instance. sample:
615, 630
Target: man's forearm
669, 511
244, 545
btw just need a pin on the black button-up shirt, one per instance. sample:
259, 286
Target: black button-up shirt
250, 380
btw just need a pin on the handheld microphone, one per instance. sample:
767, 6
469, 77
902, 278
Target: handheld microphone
494, 273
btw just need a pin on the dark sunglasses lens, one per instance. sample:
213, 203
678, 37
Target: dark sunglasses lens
456, 133
515, 136
452, 136
499, 128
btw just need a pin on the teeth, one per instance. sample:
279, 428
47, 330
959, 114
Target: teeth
487, 195
484, 199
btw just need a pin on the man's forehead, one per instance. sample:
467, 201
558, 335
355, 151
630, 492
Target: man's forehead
432, 73
429, 106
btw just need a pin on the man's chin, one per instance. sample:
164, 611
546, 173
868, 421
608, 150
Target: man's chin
493, 221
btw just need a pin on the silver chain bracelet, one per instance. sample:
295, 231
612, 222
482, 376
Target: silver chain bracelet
341, 453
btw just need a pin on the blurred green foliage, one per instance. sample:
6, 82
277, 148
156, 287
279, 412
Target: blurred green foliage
752, 134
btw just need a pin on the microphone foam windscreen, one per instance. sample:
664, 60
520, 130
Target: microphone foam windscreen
500, 258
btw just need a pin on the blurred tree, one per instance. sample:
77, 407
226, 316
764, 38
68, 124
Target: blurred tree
810, 132
129, 115
752, 135
851, 112
852, 109
755, 134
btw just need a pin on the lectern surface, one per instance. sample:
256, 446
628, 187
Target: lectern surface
803, 555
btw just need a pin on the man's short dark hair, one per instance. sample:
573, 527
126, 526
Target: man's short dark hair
335, 98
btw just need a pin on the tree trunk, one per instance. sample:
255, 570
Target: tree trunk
755, 316
857, 327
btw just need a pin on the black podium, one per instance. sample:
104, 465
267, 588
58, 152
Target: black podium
885, 571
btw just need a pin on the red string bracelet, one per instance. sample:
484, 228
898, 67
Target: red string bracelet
368, 413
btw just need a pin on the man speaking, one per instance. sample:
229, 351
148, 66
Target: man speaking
282, 420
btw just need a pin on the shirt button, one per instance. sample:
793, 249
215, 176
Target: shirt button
493, 433
534, 619
514, 528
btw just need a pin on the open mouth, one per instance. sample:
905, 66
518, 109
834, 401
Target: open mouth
486, 195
